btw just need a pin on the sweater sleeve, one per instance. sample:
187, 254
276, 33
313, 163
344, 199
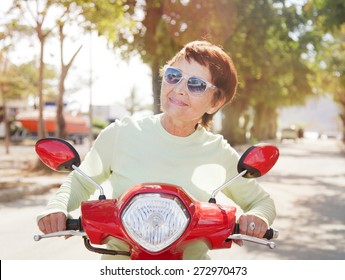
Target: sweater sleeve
97, 164
252, 199
248, 194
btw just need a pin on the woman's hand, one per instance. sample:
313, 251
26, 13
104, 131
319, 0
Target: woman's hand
52, 223
252, 226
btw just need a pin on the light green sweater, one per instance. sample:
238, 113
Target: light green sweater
134, 151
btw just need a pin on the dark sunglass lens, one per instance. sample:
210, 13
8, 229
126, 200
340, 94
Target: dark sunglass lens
196, 85
172, 76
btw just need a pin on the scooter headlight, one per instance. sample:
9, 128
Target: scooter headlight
155, 221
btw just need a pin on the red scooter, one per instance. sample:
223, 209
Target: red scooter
156, 220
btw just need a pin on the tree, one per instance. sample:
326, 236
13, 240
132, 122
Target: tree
4, 83
267, 47
257, 34
329, 17
107, 17
326, 14
132, 103
12, 80
35, 13
61, 125
36, 16
266, 39
3, 92
13, 85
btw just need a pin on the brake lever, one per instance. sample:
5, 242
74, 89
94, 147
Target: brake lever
38, 237
253, 239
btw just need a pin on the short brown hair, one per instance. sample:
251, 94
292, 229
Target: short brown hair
221, 67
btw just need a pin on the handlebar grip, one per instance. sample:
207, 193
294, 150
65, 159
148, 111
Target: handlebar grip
271, 233
74, 224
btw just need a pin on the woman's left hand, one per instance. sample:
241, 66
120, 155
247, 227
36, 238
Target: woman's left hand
252, 226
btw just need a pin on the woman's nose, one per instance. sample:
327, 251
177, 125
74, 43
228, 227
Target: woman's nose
181, 87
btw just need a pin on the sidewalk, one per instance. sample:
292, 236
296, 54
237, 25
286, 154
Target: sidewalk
16, 181
27, 186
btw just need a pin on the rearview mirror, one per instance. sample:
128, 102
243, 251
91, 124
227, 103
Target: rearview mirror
258, 160
57, 154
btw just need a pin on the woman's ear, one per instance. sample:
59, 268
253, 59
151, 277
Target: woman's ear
217, 105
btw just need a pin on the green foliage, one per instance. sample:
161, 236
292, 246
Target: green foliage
326, 14
186, 20
266, 39
18, 81
109, 18
98, 123
267, 48
277, 47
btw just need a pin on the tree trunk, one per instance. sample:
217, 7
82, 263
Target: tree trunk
342, 117
3, 89
231, 129
41, 133
156, 88
60, 120
265, 123
341, 102
5, 119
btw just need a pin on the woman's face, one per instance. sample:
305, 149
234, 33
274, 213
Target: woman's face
176, 100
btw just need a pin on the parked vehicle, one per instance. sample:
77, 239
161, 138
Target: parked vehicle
156, 220
77, 125
289, 133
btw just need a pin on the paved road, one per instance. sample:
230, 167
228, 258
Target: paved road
307, 185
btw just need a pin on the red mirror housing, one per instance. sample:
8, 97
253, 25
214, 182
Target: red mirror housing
258, 160
57, 154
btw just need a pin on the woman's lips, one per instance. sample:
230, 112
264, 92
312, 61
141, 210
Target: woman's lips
177, 102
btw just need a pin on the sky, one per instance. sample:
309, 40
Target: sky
112, 78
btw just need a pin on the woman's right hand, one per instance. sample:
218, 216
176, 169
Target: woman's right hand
52, 222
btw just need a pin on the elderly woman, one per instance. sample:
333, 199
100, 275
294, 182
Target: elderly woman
173, 147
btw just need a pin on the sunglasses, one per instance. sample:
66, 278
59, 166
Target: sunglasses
196, 86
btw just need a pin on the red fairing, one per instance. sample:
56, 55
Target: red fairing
214, 222
209, 222
99, 220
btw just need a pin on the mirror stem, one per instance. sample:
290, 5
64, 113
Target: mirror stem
214, 193
101, 191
